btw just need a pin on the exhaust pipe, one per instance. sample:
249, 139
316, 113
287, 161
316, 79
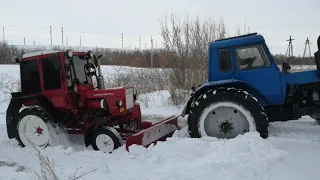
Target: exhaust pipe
100, 80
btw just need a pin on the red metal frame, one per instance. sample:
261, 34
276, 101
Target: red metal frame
62, 99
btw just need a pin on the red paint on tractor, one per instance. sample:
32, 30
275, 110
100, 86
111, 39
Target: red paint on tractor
79, 106
157, 132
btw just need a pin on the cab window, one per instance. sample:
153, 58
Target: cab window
251, 57
224, 60
51, 67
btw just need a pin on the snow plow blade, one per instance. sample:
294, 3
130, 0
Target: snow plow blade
157, 132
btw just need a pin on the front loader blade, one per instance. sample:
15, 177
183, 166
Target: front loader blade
157, 132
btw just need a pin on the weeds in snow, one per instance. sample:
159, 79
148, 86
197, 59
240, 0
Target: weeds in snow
48, 171
7, 164
47, 166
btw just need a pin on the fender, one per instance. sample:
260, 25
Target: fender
12, 114
15, 105
225, 83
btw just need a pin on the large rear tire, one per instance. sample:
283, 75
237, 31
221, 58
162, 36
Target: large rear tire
226, 113
32, 128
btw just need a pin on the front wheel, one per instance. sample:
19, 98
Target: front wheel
226, 113
105, 139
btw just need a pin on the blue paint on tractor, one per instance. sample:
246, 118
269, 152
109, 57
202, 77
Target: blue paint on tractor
231, 63
302, 77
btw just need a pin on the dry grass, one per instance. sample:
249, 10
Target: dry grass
48, 170
13, 165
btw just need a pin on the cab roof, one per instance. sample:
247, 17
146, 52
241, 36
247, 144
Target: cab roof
237, 40
27, 55
39, 53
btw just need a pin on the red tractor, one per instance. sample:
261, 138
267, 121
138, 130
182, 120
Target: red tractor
58, 88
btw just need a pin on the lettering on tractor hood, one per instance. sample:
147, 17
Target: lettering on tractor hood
104, 94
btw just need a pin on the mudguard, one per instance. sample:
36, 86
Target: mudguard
223, 83
16, 104
11, 116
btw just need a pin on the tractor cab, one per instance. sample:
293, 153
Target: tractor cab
54, 70
247, 59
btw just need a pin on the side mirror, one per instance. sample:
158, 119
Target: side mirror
285, 67
17, 60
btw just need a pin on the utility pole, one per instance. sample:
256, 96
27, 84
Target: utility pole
51, 35
4, 39
290, 50
122, 40
67, 41
62, 34
305, 49
80, 41
140, 43
151, 52
24, 41
34, 43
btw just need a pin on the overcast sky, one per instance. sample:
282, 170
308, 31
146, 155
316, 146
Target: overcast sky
101, 22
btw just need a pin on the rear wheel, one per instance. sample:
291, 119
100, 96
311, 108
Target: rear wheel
105, 139
32, 128
226, 113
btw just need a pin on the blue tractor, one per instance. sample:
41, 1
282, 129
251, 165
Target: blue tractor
246, 90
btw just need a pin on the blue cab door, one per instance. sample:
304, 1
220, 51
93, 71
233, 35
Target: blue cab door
253, 66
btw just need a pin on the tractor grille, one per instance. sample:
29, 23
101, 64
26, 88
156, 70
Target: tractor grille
129, 98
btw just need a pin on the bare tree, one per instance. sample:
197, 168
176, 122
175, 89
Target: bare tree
187, 41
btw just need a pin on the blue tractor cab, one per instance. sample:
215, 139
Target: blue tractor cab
243, 77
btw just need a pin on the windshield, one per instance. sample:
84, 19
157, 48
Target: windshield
79, 63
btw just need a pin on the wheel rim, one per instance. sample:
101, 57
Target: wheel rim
33, 131
225, 120
104, 143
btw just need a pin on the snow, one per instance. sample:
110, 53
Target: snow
157, 104
291, 151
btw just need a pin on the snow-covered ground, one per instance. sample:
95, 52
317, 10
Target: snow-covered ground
291, 152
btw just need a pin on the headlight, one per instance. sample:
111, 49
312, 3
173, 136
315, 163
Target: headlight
69, 53
119, 103
90, 54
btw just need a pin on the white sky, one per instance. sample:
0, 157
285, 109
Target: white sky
101, 22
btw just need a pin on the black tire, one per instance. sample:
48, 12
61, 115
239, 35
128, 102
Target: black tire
111, 133
229, 95
35, 111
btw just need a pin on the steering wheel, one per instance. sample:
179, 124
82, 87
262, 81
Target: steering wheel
91, 69
249, 61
